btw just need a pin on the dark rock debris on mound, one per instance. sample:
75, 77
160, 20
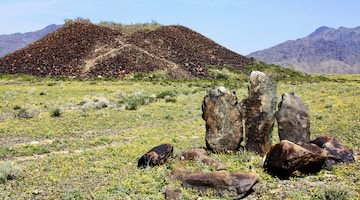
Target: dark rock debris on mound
88, 50
60, 53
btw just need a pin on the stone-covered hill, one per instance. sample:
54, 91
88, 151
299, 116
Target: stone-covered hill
326, 50
12, 42
83, 49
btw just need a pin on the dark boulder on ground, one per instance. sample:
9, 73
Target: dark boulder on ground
338, 152
259, 107
156, 156
202, 156
289, 159
293, 119
222, 183
221, 112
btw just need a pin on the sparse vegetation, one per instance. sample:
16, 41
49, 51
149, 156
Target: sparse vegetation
23, 113
55, 112
8, 171
333, 192
91, 152
131, 28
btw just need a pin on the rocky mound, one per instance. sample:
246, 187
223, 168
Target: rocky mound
87, 50
187, 48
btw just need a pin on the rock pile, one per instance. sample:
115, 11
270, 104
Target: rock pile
83, 49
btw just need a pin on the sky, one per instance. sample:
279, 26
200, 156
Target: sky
243, 26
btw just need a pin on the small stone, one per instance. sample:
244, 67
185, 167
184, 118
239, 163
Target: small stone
156, 156
202, 156
173, 194
36, 192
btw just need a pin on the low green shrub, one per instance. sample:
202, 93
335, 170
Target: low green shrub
333, 192
9, 171
55, 112
170, 100
16, 107
167, 93
23, 113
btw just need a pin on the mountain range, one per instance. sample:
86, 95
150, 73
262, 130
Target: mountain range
326, 50
12, 42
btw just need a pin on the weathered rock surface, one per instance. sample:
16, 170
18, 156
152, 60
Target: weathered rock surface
289, 159
338, 152
222, 183
259, 107
221, 112
202, 156
293, 119
156, 156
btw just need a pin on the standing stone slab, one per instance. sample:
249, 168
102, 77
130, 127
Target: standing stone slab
293, 119
259, 107
222, 115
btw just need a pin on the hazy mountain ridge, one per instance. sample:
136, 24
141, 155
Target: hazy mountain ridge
326, 50
12, 42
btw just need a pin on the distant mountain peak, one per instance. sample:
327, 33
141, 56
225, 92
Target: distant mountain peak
12, 42
321, 31
326, 50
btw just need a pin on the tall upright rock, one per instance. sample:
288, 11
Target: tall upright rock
222, 114
293, 119
259, 107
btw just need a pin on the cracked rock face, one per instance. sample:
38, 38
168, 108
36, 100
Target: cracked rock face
259, 107
293, 119
221, 112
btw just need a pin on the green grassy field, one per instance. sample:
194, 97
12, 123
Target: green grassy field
71, 139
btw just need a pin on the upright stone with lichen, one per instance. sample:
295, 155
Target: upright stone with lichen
293, 119
259, 108
221, 112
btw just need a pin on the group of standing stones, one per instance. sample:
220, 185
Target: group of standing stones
224, 116
295, 154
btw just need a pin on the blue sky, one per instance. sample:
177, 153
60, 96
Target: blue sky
243, 26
